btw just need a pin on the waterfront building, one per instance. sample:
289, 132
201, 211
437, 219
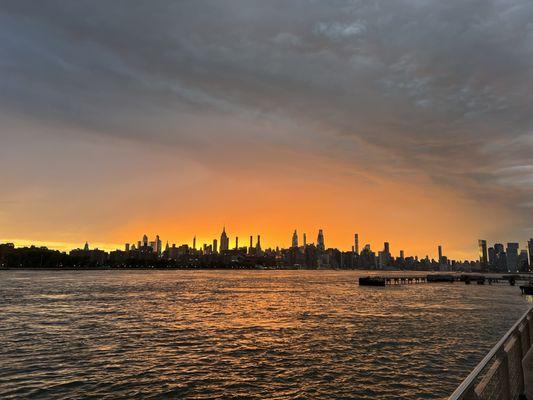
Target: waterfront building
530, 250
482, 244
215, 246
356, 243
512, 257
492, 257
523, 262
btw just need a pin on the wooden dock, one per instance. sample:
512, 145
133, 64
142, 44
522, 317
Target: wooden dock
384, 280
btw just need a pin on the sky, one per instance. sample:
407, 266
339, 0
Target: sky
407, 121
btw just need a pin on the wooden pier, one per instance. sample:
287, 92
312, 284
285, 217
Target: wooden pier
391, 280
384, 280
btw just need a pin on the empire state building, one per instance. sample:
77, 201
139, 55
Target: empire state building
224, 240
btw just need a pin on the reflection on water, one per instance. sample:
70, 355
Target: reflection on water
241, 334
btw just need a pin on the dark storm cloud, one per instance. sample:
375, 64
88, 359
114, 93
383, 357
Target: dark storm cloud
441, 87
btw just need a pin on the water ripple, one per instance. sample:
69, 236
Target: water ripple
241, 335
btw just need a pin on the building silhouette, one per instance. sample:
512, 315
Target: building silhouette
482, 244
295, 239
320, 241
224, 241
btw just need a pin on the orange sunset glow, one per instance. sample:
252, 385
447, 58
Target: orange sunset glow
263, 128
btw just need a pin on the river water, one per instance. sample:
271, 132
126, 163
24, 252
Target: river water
241, 335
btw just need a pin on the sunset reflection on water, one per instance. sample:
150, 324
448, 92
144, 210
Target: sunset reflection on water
242, 334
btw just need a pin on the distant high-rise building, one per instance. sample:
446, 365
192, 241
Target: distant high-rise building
86, 247
127, 247
402, 254
385, 255
492, 256
145, 241
523, 262
320, 241
295, 239
305, 240
530, 250
158, 245
194, 243
215, 246
440, 254
258, 244
482, 252
512, 257
251, 248
356, 243
236, 242
498, 248
224, 241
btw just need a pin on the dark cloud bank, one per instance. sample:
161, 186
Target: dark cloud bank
437, 87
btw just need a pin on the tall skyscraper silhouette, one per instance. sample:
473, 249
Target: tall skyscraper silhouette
530, 250
320, 241
295, 239
483, 258
356, 243
224, 241
512, 257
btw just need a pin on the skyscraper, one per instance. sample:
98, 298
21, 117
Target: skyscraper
258, 244
356, 243
224, 241
236, 242
530, 250
145, 241
482, 252
512, 257
215, 246
320, 241
158, 245
440, 254
194, 243
305, 240
295, 239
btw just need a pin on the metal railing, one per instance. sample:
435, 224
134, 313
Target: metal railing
500, 374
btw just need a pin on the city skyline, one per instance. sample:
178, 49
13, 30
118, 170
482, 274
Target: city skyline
179, 116
513, 254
